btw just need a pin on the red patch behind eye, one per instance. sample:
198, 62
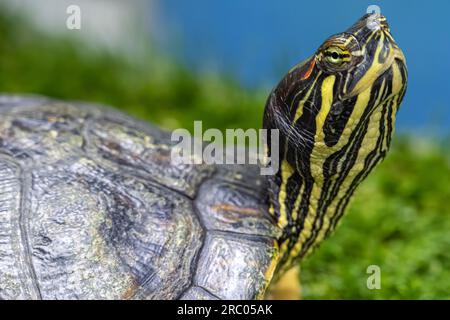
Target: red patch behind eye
310, 69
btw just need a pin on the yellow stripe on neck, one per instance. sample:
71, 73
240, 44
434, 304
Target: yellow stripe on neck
301, 104
327, 100
286, 173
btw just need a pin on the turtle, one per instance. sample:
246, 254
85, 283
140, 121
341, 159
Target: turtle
92, 207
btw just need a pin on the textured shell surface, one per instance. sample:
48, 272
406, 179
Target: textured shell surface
91, 207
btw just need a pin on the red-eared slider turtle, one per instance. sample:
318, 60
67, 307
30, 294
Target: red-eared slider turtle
91, 206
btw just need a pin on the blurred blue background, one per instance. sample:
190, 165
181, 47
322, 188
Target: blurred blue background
257, 41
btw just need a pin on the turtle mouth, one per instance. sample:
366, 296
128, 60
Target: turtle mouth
379, 65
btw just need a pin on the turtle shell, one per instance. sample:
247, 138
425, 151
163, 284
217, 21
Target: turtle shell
91, 207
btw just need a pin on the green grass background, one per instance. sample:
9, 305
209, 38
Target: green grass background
399, 219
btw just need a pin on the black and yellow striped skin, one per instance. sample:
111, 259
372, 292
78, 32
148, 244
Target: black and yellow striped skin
336, 113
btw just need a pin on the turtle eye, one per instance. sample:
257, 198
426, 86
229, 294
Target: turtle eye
336, 56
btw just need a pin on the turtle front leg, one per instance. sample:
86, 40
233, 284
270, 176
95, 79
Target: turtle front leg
287, 287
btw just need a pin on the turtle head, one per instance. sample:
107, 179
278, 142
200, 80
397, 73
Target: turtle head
361, 55
335, 113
